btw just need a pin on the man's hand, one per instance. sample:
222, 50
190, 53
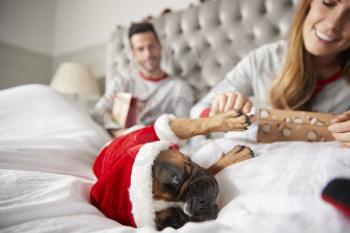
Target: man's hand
341, 129
230, 101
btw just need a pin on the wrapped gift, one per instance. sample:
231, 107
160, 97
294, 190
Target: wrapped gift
125, 109
286, 125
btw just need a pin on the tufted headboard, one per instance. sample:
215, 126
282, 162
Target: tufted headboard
202, 43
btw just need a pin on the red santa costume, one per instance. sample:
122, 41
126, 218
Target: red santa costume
123, 191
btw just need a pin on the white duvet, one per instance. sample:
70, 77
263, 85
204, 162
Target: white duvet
47, 148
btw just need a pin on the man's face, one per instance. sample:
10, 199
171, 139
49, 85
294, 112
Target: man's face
147, 52
326, 30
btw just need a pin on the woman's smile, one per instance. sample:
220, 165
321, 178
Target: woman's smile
324, 37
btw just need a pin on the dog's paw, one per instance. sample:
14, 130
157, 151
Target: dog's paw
238, 117
238, 153
236, 121
233, 121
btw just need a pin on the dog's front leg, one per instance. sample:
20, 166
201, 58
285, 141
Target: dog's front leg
185, 128
237, 154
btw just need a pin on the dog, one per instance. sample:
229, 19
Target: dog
144, 180
189, 190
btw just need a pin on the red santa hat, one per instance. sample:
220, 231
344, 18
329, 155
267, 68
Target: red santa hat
123, 191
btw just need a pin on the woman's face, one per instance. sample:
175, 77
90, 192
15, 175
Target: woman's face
326, 30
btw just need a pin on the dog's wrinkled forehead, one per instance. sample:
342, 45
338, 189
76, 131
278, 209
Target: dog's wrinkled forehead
171, 171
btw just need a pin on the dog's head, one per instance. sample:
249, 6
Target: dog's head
183, 191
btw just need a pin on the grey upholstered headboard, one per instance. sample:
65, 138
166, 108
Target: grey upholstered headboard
202, 43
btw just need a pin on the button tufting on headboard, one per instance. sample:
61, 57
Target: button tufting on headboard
202, 43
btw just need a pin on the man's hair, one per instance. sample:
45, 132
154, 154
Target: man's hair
136, 28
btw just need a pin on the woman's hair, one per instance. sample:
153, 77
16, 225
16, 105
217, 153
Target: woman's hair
295, 85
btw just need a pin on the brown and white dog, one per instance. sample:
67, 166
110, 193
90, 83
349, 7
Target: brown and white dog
143, 180
186, 192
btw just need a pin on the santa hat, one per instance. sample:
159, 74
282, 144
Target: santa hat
123, 191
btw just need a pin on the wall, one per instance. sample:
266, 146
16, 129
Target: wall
81, 23
47, 32
26, 41
22, 66
28, 24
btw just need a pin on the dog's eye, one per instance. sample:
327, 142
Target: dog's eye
175, 179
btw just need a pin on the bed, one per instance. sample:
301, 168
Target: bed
47, 148
47, 145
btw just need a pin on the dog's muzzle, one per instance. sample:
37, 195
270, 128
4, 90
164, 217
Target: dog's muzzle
201, 197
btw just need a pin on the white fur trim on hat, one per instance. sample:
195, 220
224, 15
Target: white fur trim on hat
164, 131
140, 191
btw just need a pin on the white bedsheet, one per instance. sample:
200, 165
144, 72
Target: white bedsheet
47, 148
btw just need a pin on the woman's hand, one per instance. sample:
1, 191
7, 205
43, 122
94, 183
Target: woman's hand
230, 101
341, 129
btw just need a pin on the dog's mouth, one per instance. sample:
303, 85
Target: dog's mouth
198, 209
187, 210
201, 197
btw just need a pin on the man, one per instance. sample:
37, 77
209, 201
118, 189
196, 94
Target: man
155, 91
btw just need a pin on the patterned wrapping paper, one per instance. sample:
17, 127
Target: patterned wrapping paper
286, 125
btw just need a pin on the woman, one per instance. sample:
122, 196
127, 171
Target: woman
311, 72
